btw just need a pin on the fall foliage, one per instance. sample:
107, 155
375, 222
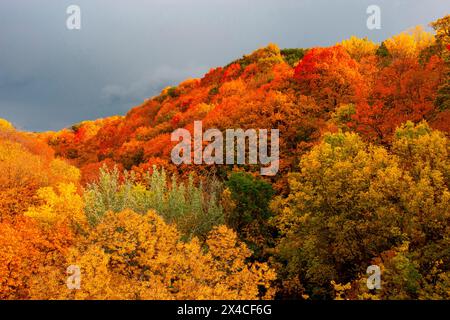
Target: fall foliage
364, 180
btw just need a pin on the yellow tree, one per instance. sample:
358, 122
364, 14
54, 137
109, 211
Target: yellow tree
62, 205
410, 43
352, 203
133, 256
5, 125
359, 48
18, 167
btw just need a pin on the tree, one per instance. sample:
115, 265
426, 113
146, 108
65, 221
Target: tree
19, 258
351, 202
405, 90
408, 45
359, 48
442, 28
5, 125
29, 254
61, 206
249, 197
293, 56
188, 206
134, 256
18, 167
331, 76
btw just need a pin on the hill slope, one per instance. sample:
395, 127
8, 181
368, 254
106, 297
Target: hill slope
356, 85
364, 181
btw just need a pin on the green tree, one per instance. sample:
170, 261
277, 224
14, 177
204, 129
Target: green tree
293, 56
250, 211
194, 211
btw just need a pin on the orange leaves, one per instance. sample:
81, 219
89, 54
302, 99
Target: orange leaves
403, 91
232, 72
19, 258
26, 249
26, 252
353, 87
15, 201
90, 171
386, 90
331, 76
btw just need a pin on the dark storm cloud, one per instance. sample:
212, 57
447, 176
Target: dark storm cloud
128, 50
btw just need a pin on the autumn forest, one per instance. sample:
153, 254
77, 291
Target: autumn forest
363, 179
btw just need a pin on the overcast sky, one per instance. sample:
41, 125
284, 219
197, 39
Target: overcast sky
128, 50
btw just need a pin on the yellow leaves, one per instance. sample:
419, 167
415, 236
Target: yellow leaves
21, 168
133, 239
18, 167
233, 88
61, 171
60, 205
95, 277
401, 46
340, 289
425, 154
409, 44
271, 54
223, 246
133, 256
5, 125
229, 256
420, 147
359, 48
422, 38
352, 201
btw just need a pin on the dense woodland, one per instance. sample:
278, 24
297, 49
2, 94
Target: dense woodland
364, 179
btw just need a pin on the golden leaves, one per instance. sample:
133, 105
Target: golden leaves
133, 256
409, 44
60, 205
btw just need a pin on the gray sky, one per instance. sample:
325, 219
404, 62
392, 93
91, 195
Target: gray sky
128, 50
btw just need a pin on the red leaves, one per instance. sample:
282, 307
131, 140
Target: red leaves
403, 91
384, 93
331, 76
232, 72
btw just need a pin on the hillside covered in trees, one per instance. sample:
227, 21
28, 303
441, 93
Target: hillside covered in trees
364, 176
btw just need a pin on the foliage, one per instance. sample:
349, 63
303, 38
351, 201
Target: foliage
363, 179
135, 256
249, 199
353, 201
251, 196
442, 28
5, 125
193, 211
331, 76
293, 56
359, 48
409, 44
62, 206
